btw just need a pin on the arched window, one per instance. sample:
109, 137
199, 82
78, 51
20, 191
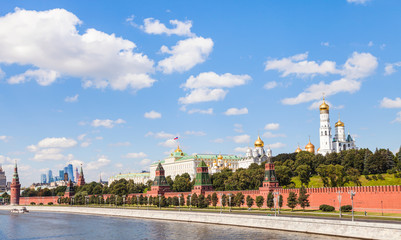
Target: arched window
325, 132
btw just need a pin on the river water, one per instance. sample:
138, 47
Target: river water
40, 225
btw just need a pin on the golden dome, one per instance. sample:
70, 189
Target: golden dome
339, 124
220, 156
178, 149
298, 150
259, 142
324, 106
310, 147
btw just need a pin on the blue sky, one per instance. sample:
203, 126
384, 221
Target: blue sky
110, 84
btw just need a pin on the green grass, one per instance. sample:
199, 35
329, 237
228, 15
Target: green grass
389, 179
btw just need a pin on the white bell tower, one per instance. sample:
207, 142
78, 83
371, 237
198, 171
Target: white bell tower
326, 144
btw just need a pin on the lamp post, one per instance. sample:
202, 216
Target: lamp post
221, 203
339, 202
159, 202
73, 200
382, 206
137, 200
86, 200
229, 200
352, 194
190, 202
179, 202
148, 201
275, 194
124, 200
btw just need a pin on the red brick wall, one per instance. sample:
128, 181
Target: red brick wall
37, 200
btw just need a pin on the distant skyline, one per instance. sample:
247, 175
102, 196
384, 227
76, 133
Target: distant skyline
110, 85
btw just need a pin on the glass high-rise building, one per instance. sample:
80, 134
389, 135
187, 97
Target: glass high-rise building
3, 180
70, 172
61, 174
50, 176
43, 178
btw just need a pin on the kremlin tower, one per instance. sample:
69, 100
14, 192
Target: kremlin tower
81, 179
15, 187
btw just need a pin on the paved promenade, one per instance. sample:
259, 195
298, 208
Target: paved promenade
367, 230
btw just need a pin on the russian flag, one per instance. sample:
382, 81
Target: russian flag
176, 138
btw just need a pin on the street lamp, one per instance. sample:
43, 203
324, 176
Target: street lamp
137, 200
275, 194
159, 202
148, 201
190, 202
339, 202
229, 197
179, 202
221, 203
352, 194
124, 200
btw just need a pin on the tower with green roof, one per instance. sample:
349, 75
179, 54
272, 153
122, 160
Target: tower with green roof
160, 185
270, 182
202, 180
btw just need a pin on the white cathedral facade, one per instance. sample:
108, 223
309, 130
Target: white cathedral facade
339, 142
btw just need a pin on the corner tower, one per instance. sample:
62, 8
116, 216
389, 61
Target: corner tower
160, 185
15, 187
326, 145
202, 180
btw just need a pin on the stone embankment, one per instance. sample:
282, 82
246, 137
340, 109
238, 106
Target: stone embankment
367, 230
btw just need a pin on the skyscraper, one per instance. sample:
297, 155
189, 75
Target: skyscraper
43, 178
61, 174
3, 180
70, 172
50, 176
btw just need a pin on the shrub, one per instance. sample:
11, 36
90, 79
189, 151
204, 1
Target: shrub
391, 171
346, 208
374, 177
380, 177
367, 177
41, 204
326, 208
397, 175
50, 203
33, 203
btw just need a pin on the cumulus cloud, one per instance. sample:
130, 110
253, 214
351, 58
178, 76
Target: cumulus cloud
50, 42
99, 163
241, 149
195, 133
160, 135
236, 111
389, 103
153, 26
272, 126
57, 143
72, 99
152, 115
107, 123
277, 145
362, 2
270, 85
238, 128
208, 111
398, 118
170, 143
120, 144
135, 155
145, 162
390, 68
218, 140
326, 44
242, 138
273, 135
185, 54
4, 138
208, 86
52, 149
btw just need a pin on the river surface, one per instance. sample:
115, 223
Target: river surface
40, 225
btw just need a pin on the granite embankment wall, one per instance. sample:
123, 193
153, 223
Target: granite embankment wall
367, 230
370, 199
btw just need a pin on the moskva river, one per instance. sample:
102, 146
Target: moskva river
39, 225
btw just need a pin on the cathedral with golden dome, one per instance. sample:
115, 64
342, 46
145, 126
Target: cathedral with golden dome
256, 155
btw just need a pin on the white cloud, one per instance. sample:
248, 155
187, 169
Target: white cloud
57, 143
241, 149
72, 99
272, 126
236, 111
195, 133
218, 140
86, 144
51, 43
390, 68
4, 138
49, 154
359, 65
326, 44
119, 165
42, 77
99, 163
135, 155
316, 104
398, 118
160, 135
203, 95
238, 128
153, 26
145, 162
107, 123
213, 80
81, 137
299, 66
362, 2
370, 44
170, 143
389, 103
120, 144
152, 115
185, 54
242, 138
201, 111
6, 159
277, 145
273, 135
270, 85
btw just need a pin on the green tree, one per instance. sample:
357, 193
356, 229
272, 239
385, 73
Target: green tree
170, 181
305, 173
202, 203
163, 201
239, 199
353, 176
284, 175
219, 178
182, 183
280, 201
194, 200
224, 200
182, 200
292, 200
259, 201
332, 175
270, 200
188, 201
303, 158
303, 198
208, 200
249, 201
215, 199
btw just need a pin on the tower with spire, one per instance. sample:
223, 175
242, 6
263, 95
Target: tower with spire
270, 182
15, 187
160, 185
202, 180
326, 145
81, 179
